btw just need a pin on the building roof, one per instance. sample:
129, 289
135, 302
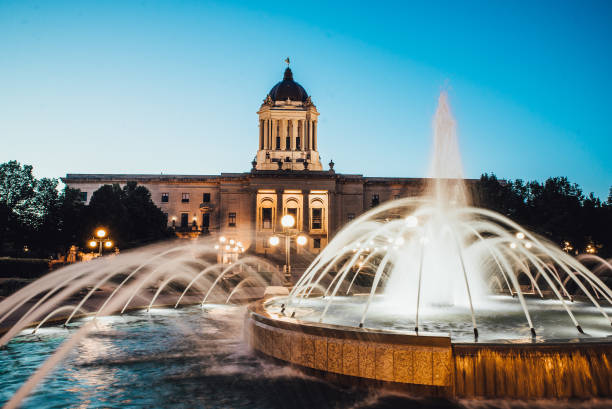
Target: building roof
288, 89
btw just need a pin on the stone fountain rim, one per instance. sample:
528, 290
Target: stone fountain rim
258, 312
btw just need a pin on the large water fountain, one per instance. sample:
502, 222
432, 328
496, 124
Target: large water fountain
431, 292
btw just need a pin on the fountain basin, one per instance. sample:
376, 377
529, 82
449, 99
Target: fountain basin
432, 364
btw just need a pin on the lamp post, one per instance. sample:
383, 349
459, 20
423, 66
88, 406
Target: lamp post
229, 246
288, 222
100, 239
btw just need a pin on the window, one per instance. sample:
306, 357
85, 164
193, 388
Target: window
205, 220
375, 200
350, 216
164, 198
206, 197
184, 219
316, 243
185, 198
298, 145
278, 143
266, 217
288, 143
317, 218
83, 196
231, 219
293, 212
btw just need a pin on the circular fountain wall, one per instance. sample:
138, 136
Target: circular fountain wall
430, 363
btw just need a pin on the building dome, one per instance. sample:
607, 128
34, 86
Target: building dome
288, 89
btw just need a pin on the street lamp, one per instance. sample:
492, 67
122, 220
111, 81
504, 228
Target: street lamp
230, 246
100, 239
288, 222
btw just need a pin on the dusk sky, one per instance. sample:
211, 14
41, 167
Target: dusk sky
174, 87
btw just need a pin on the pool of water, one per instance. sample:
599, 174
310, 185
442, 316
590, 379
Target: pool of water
187, 358
499, 318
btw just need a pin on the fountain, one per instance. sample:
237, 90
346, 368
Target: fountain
438, 296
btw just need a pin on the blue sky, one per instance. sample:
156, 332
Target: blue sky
173, 87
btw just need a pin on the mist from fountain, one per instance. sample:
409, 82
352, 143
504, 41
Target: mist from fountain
135, 279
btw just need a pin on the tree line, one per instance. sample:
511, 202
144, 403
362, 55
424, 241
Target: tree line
37, 219
555, 209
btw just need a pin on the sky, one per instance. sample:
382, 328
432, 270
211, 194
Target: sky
173, 87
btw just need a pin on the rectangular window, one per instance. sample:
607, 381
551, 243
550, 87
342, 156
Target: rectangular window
317, 219
231, 219
288, 143
316, 243
206, 220
298, 144
293, 212
184, 219
185, 198
206, 197
278, 143
375, 200
164, 198
266, 217
83, 196
350, 216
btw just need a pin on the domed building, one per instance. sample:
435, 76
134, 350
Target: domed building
288, 128
286, 177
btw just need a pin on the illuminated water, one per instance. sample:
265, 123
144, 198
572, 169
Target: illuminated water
500, 319
186, 358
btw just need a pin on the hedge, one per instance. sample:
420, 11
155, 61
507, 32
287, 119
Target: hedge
23, 267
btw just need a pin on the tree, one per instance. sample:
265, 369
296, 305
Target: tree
128, 213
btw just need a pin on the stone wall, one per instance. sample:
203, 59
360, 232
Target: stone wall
492, 370
371, 355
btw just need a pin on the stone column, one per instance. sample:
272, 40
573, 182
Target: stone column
302, 134
274, 130
279, 211
306, 211
265, 135
282, 129
293, 134
314, 135
261, 134
309, 134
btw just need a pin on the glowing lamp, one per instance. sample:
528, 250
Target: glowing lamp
287, 221
301, 240
222, 239
92, 244
274, 241
101, 233
520, 235
108, 244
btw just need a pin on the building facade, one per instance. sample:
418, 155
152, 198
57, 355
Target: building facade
286, 178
